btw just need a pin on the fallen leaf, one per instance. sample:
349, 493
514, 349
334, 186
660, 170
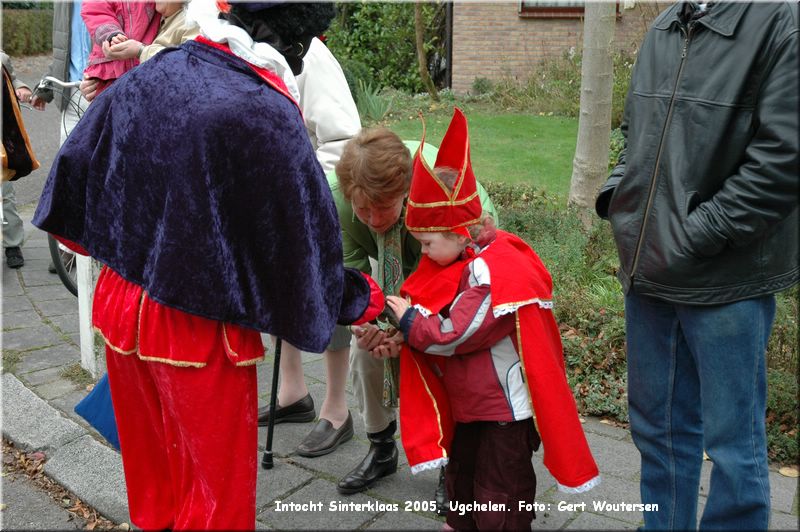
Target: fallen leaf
3, 506
789, 471
605, 422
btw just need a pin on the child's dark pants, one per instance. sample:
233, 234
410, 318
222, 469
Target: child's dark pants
490, 464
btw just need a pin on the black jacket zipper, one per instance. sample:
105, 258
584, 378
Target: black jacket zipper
687, 36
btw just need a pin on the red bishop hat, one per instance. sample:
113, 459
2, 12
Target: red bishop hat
432, 207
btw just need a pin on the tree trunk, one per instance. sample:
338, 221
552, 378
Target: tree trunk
590, 165
422, 58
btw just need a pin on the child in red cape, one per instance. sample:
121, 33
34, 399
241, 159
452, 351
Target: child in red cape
482, 354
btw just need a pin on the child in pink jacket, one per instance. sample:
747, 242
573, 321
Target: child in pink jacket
114, 22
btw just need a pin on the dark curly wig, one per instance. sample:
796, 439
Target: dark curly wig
291, 21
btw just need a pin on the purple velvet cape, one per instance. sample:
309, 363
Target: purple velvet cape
193, 178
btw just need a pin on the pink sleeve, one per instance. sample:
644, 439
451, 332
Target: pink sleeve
101, 19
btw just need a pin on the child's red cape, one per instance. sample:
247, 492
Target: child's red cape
520, 285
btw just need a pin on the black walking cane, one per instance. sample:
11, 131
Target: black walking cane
266, 460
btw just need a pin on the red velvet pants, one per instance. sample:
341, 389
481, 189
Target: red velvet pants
189, 442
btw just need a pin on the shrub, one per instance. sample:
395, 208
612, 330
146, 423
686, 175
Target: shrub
782, 418
616, 144
380, 35
27, 31
782, 348
589, 310
371, 103
554, 87
354, 71
481, 86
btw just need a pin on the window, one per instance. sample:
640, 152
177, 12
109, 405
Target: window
552, 9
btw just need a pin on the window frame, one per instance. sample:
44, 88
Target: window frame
553, 9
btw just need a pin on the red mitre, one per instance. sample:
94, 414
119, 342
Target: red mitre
431, 206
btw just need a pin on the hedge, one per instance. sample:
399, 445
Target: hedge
27, 31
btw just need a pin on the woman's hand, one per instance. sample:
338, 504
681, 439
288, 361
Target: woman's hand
118, 38
390, 347
398, 305
128, 49
38, 104
23, 94
88, 88
368, 336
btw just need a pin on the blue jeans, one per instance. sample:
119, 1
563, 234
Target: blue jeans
697, 380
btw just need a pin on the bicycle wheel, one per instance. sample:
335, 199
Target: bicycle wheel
65, 264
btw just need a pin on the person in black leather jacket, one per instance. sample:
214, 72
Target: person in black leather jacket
703, 204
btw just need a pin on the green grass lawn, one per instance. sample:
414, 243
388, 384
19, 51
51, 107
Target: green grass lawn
507, 147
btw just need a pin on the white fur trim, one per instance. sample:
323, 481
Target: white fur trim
586, 486
422, 310
510, 308
425, 466
204, 13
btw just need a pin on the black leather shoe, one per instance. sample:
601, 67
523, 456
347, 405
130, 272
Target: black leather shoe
442, 502
301, 411
324, 439
381, 461
14, 257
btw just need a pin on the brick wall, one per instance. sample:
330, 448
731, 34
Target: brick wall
490, 40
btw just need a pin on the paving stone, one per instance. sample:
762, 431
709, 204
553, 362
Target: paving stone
57, 356
321, 491
278, 482
30, 422
782, 521
66, 404
35, 378
614, 457
16, 304
552, 518
403, 520
594, 425
94, 473
590, 521
68, 323
261, 525
49, 293
544, 480
705, 476
403, 486
27, 507
11, 286
59, 307
783, 491
39, 277
317, 370
37, 259
57, 388
31, 338
20, 320
612, 490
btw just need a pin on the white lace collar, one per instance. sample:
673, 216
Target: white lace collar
204, 13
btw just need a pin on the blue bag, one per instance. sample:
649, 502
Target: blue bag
96, 408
